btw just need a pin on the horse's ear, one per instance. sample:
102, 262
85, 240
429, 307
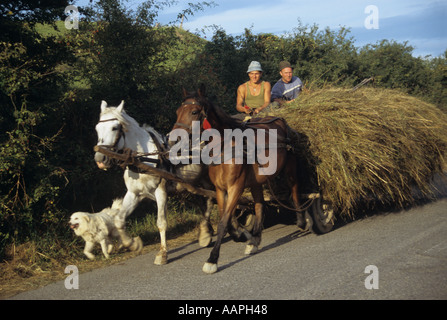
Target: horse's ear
202, 90
103, 105
120, 107
185, 93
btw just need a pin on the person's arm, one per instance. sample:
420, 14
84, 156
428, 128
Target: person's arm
277, 93
240, 99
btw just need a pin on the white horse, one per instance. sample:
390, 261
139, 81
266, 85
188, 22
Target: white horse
116, 131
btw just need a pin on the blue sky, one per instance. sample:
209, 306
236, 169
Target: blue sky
423, 23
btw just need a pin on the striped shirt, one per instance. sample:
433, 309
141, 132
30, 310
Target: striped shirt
287, 91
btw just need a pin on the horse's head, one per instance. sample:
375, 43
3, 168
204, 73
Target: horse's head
193, 108
196, 107
110, 132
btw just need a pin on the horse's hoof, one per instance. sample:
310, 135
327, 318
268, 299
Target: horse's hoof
209, 267
137, 245
161, 258
204, 239
251, 249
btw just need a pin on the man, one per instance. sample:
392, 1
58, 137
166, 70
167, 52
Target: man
288, 87
253, 96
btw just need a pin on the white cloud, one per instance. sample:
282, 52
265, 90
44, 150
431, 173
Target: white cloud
283, 15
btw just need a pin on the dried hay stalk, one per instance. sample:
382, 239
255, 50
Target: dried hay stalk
370, 144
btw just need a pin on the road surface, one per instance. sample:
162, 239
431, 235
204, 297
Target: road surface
403, 253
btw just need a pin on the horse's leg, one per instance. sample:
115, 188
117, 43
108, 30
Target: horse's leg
258, 197
292, 181
161, 197
230, 206
206, 230
130, 201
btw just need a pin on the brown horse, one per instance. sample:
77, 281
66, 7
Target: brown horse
230, 177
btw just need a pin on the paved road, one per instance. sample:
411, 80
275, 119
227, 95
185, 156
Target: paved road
409, 249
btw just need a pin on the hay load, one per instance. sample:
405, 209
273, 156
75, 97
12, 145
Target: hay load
370, 144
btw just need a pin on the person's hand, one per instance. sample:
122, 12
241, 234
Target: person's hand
256, 111
248, 110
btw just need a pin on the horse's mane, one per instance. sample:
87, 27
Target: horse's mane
162, 138
215, 112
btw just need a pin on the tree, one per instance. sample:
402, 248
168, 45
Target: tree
393, 66
31, 88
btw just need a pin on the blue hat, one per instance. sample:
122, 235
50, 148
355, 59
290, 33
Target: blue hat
254, 66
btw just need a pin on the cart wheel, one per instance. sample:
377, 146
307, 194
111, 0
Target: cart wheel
322, 213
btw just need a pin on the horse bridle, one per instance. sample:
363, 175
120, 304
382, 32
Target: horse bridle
202, 115
120, 135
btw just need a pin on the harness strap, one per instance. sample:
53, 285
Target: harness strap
164, 161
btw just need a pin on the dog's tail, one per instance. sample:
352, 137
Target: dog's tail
115, 208
117, 203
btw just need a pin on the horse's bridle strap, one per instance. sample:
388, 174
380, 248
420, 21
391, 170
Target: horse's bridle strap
191, 102
202, 113
120, 135
113, 119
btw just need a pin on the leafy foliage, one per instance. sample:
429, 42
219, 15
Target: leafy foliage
31, 90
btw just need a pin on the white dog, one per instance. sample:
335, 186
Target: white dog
98, 227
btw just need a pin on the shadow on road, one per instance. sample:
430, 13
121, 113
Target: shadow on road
275, 215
